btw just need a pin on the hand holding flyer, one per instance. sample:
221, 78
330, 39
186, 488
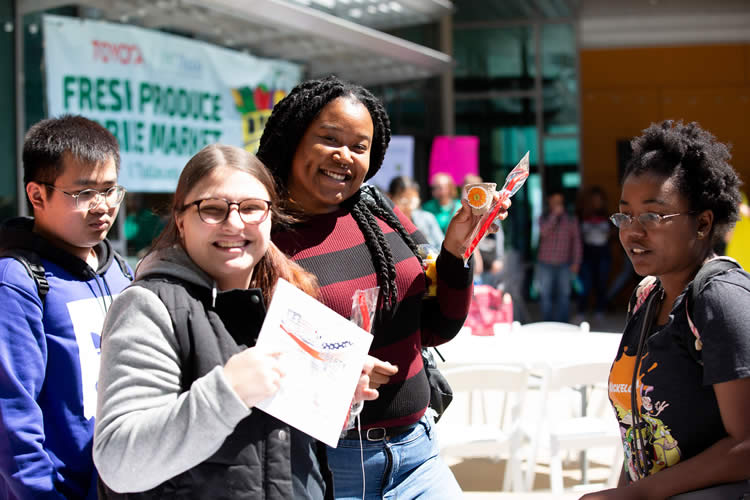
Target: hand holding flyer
481, 201
325, 354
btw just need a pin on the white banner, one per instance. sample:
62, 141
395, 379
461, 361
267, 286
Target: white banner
163, 96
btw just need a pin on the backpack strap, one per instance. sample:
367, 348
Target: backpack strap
33, 265
710, 269
642, 291
123, 266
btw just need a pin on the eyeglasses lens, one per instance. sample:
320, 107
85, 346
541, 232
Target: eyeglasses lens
217, 211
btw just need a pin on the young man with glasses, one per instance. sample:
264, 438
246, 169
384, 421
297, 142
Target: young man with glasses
58, 277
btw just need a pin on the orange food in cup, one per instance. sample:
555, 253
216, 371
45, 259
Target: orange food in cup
477, 197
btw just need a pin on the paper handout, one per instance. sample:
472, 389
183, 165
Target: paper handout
323, 354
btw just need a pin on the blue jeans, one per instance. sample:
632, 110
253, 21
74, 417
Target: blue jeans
403, 467
554, 291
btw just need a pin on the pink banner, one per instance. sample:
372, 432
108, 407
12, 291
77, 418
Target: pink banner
454, 155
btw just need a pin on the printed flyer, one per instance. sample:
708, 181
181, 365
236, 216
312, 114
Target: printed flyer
323, 354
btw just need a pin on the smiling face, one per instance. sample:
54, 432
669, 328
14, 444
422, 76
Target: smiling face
333, 157
228, 251
675, 247
56, 216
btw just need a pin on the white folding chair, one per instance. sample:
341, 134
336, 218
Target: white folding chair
558, 433
481, 437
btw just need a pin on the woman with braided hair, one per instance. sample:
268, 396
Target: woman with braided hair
322, 141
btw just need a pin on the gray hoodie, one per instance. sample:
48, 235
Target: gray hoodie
147, 429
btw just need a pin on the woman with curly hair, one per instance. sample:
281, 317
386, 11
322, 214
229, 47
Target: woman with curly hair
680, 383
322, 141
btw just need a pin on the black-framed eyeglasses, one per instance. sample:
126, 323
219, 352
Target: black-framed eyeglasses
216, 210
649, 220
88, 199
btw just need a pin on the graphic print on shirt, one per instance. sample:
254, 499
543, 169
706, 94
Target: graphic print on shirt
661, 449
87, 317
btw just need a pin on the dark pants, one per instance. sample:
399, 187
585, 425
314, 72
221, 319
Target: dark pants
594, 275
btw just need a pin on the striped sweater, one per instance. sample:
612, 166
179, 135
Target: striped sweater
332, 247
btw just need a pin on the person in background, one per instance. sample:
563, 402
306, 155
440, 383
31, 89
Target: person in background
444, 203
49, 346
686, 426
180, 371
558, 258
595, 233
322, 141
404, 192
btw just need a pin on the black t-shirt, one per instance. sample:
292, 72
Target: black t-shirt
679, 413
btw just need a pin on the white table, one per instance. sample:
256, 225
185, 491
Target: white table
536, 350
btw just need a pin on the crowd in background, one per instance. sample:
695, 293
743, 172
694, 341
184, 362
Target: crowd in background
181, 374
578, 272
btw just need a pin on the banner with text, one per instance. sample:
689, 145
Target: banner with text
163, 96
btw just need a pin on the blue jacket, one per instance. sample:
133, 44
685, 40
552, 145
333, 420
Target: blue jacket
49, 366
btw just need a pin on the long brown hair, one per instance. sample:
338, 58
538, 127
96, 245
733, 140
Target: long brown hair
274, 264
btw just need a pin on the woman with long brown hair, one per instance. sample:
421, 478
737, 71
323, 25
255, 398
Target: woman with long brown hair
179, 372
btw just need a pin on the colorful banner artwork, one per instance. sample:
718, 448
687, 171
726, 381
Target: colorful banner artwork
163, 96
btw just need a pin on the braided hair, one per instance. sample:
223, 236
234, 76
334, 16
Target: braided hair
282, 134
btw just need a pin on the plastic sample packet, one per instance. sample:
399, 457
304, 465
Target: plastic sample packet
480, 197
364, 303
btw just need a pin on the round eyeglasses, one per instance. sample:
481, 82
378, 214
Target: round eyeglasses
648, 220
216, 210
88, 199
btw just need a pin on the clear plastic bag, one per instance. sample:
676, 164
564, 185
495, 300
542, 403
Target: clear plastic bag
429, 256
364, 304
480, 197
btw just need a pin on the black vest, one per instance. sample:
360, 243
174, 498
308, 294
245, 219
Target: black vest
255, 461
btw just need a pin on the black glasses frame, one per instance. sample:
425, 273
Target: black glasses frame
229, 203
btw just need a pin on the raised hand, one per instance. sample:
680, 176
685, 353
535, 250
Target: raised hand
374, 374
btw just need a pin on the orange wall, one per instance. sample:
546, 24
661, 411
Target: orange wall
624, 90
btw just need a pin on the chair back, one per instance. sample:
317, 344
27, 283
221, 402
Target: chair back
487, 378
575, 375
491, 438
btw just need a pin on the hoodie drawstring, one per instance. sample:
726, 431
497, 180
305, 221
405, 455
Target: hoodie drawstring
101, 291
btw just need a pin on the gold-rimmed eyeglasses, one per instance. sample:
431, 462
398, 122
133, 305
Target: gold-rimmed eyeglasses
88, 199
216, 210
648, 220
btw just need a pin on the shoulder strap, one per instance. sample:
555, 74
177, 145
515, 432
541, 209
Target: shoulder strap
642, 291
34, 268
710, 269
123, 266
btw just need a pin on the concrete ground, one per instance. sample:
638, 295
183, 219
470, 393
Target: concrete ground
481, 479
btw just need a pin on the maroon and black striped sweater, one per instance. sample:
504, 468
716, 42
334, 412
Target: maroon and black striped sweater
332, 247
